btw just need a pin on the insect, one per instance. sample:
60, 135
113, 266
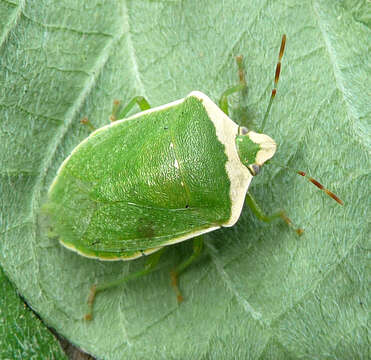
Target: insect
159, 177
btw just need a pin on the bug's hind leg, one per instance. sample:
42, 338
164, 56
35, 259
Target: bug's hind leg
152, 261
85, 121
119, 111
197, 249
242, 86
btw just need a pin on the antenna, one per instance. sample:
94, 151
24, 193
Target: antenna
321, 187
276, 78
313, 181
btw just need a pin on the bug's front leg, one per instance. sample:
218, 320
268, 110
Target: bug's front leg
258, 212
223, 102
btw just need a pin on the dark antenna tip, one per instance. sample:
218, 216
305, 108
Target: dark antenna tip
276, 78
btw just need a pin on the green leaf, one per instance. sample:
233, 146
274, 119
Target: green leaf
259, 291
22, 334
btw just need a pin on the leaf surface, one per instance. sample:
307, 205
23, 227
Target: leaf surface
259, 291
22, 334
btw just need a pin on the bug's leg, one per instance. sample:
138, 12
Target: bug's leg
268, 218
223, 102
197, 249
119, 112
86, 121
96, 288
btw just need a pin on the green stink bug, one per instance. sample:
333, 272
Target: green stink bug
159, 177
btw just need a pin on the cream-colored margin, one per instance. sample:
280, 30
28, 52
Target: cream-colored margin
267, 147
136, 255
239, 176
144, 252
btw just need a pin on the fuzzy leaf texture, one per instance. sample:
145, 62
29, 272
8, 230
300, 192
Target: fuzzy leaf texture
22, 334
259, 291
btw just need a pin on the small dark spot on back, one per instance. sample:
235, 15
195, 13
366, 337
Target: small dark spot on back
146, 228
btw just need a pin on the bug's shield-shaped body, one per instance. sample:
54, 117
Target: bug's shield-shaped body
159, 177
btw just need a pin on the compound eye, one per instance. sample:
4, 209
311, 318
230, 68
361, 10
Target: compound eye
254, 169
243, 130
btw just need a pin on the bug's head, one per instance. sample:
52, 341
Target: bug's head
254, 149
